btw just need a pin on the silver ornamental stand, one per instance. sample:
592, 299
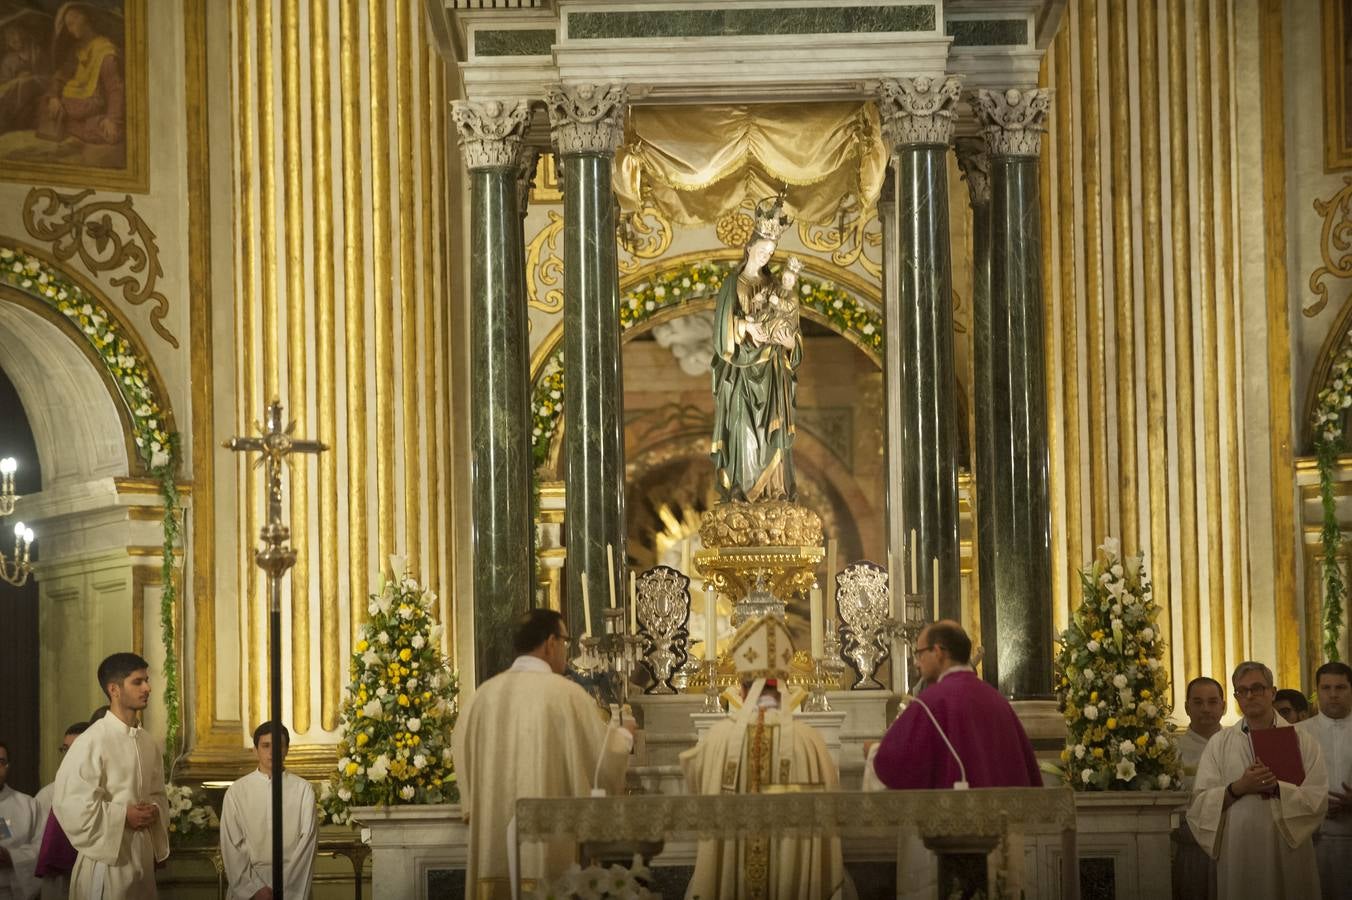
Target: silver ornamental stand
275, 557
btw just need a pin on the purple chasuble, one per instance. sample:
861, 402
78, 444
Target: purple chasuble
982, 727
56, 856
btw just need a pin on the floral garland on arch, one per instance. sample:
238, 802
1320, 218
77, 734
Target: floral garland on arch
1331, 405
394, 735
1112, 682
157, 445
685, 284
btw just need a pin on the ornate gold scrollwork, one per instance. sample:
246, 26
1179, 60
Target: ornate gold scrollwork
544, 267
856, 236
645, 234
1334, 239
734, 227
89, 231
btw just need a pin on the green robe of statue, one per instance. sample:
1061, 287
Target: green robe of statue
755, 386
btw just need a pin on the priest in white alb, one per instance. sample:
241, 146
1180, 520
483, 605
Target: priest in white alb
246, 828
20, 835
1258, 828
762, 748
109, 795
1194, 870
530, 732
1333, 729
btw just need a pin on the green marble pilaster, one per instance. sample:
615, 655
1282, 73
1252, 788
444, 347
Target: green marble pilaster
588, 123
1009, 328
500, 409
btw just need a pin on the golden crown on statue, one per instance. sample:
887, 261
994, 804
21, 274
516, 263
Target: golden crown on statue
771, 220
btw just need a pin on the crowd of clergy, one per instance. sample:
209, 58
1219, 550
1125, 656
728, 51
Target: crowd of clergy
1251, 829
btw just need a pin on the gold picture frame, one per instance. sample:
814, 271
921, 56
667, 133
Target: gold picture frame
61, 119
1337, 19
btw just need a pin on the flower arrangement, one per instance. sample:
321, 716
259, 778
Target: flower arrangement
1112, 682
399, 710
1331, 405
596, 882
190, 816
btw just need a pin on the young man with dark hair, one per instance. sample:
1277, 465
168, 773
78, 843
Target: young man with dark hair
1332, 728
246, 827
529, 732
109, 795
1204, 702
56, 858
20, 829
1291, 705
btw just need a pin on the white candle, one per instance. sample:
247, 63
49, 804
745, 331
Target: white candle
633, 604
710, 624
610, 569
831, 579
935, 584
891, 570
586, 609
815, 616
915, 554
685, 557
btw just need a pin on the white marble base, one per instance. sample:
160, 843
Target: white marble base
408, 841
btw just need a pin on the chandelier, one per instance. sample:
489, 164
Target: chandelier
16, 569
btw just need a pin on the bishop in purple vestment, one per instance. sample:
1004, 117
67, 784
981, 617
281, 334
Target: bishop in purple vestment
979, 723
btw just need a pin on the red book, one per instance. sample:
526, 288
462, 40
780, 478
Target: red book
1279, 750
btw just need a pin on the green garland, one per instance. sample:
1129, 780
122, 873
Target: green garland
157, 445
686, 284
1332, 403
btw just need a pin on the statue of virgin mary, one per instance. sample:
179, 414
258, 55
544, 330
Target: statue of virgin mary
757, 349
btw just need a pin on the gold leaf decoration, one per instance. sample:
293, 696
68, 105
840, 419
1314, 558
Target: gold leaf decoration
645, 234
1335, 242
544, 267
856, 236
734, 228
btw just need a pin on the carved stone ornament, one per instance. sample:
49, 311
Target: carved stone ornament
490, 133
918, 110
1013, 120
587, 118
527, 161
107, 236
975, 162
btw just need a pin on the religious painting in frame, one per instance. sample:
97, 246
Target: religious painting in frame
1337, 27
73, 93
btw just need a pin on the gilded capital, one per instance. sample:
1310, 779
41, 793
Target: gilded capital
918, 110
975, 163
587, 118
1013, 121
490, 133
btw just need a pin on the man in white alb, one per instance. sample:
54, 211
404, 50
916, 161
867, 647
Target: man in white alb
1194, 871
20, 832
109, 795
246, 827
55, 858
1333, 729
1257, 828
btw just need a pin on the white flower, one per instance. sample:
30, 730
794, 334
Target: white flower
383, 637
1149, 710
418, 642
1091, 712
1163, 781
419, 761
1111, 547
1147, 634
434, 633
344, 794
1126, 748
405, 611
1153, 663
379, 769
1117, 571
1119, 681
371, 658
1079, 751
413, 725
1126, 770
411, 683
1093, 646
1162, 741
373, 710
407, 792
1086, 775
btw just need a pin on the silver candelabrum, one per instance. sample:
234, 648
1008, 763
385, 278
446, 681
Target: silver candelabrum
663, 611
612, 656
862, 600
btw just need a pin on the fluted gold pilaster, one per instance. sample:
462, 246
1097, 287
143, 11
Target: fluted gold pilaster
1124, 305
382, 297
414, 488
431, 328
326, 336
1056, 468
1095, 344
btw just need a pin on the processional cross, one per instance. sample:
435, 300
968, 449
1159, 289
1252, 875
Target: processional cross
275, 557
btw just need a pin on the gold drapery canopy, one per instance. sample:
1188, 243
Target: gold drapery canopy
697, 163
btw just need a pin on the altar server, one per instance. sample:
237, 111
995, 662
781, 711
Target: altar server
56, 857
1256, 827
1333, 729
19, 835
246, 827
109, 793
530, 732
1194, 870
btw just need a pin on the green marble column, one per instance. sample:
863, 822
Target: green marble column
490, 137
1009, 329
918, 113
588, 124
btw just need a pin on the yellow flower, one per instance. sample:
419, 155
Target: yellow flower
1093, 697
1065, 754
1142, 740
403, 699
351, 768
362, 738
406, 654
1097, 635
1145, 694
1111, 724
1098, 753
361, 646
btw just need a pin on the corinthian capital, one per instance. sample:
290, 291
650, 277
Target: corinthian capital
587, 118
975, 163
1013, 120
918, 110
490, 133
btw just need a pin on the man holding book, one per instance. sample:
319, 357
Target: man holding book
1261, 791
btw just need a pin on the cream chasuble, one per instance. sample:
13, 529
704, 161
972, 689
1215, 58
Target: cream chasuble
246, 835
1333, 843
528, 733
1262, 846
110, 767
23, 820
758, 751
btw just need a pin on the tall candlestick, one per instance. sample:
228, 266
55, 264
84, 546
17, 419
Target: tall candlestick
633, 604
815, 617
935, 585
610, 567
586, 609
915, 554
831, 579
685, 557
710, 624
891, 570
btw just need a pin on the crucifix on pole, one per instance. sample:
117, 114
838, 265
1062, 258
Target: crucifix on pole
275, 557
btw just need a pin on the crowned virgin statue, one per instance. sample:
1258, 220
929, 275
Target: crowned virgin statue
757, 349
